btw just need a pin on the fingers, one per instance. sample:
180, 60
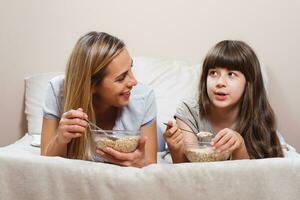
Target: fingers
74, 121
174, 138
142, 143
124, 159
219, 136
75, 114
71, 135
226, 140
178, 137
111, 156
169, 124
110, 152
222, 140
227, 147
170, 131
72, 125
233, 147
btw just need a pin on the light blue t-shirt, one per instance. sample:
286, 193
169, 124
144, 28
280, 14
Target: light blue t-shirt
140, 110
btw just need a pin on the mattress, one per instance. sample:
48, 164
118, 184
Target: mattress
24, 174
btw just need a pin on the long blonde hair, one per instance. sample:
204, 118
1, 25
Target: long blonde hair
86, 68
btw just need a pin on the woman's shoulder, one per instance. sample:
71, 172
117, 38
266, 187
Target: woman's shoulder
142, 91
140, 110
57, 82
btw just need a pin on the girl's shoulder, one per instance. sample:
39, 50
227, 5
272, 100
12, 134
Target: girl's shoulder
189, 104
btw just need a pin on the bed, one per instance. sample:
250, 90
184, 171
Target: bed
24, 174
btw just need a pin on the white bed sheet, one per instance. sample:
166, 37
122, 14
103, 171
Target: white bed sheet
26, 175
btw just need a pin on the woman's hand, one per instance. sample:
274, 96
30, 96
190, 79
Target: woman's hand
173, 137
230, 141
132, 159
71, 125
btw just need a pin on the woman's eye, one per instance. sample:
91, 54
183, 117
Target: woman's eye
121, 78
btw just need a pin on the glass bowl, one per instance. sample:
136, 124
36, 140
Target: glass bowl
120, 140
202, 150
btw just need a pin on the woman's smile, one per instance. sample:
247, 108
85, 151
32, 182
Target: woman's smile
126, 95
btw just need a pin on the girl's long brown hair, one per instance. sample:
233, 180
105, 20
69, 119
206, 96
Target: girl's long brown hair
256, 122
85, 69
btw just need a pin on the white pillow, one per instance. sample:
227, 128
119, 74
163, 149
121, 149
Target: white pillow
171, 80
35, 88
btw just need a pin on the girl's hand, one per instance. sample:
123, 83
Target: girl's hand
228, 141
71, 125
173, 137
133, 159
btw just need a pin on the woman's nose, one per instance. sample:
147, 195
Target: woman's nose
132, 81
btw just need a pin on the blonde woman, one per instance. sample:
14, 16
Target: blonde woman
98, 86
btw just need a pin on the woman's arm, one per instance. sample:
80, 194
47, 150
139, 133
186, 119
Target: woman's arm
149, 131
56, 134
50, 145
144, 155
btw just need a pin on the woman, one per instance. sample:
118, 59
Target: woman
99, 86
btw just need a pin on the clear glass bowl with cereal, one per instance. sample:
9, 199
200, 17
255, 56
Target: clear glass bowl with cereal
202, 150
120, 140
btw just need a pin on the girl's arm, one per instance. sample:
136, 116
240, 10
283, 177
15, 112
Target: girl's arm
228, 140
240, 153
176, 139
189, 137
144, 155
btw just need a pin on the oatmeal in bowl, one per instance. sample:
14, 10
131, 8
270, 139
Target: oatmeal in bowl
202, 150
120, 140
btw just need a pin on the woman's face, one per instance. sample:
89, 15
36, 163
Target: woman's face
225, 87
114, 89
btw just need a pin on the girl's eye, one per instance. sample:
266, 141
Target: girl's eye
212, 73
232, 74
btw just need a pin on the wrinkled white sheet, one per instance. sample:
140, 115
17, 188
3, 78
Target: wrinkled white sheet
26, 175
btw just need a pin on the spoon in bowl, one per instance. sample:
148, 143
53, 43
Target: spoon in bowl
100, 130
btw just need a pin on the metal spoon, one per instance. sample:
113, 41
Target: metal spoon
98, 129
180, 128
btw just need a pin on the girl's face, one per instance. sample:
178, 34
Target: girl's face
114, 89
225, 87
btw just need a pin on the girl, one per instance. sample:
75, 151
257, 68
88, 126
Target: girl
98, 86
232, 103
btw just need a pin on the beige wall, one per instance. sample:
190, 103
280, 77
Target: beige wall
37, 36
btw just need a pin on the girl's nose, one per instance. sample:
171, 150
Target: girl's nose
221, 81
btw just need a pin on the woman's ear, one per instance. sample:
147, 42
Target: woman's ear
93, 89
